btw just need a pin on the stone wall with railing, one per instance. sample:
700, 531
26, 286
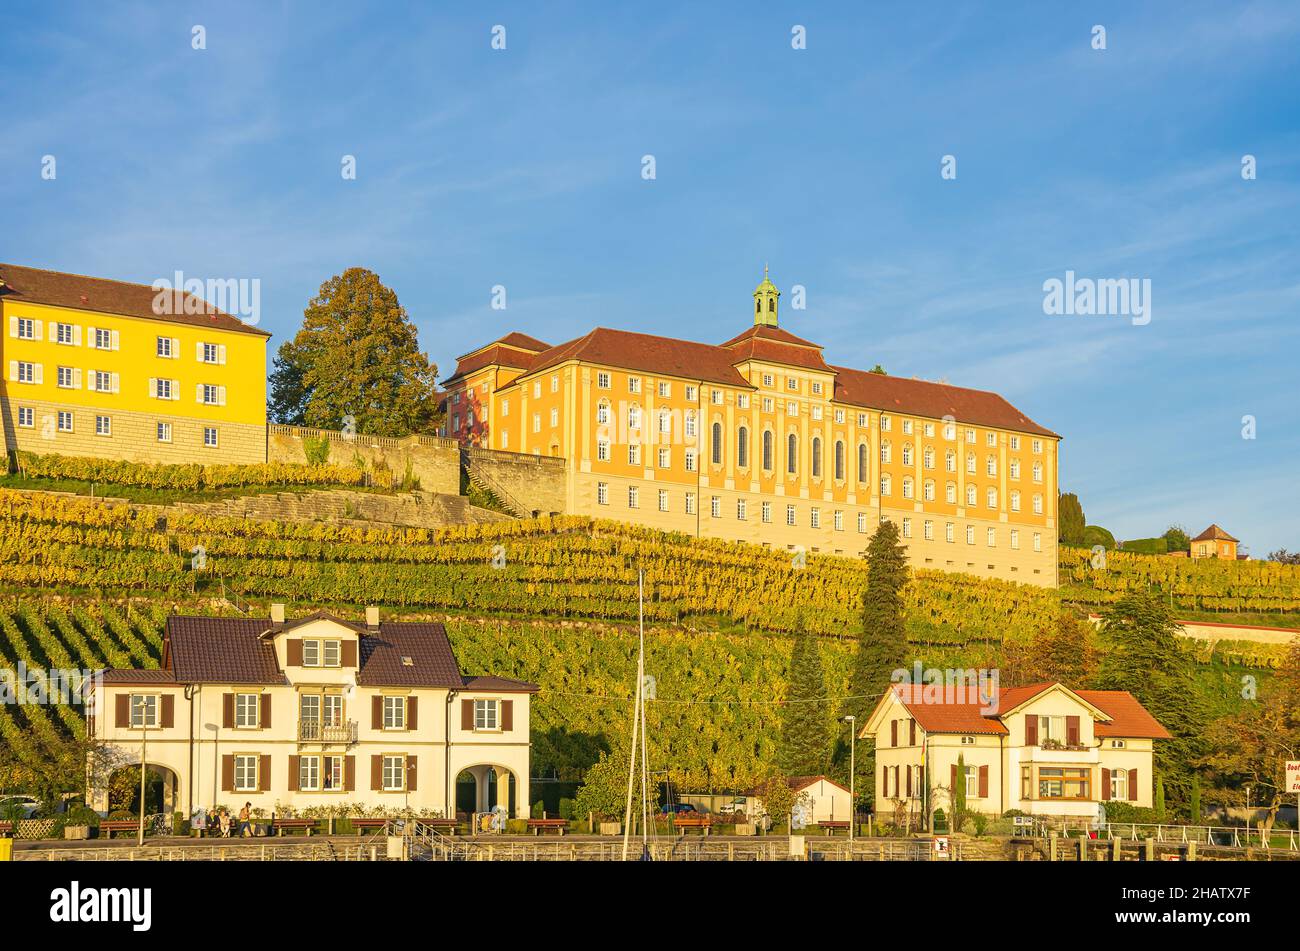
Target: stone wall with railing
527, 483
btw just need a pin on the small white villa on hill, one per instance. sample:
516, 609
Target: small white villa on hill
316, 711
1044, 749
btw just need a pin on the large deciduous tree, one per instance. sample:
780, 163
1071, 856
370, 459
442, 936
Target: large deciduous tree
356, 356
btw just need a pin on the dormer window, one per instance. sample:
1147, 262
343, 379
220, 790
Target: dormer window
321, 653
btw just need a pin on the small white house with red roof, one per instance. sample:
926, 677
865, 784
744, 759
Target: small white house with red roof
1045, 749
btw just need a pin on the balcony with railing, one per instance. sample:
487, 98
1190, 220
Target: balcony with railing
314, 731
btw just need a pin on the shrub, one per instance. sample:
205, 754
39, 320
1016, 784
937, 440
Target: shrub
516, 826
940, 820
566, 809
317, 450
980, 821
538, 809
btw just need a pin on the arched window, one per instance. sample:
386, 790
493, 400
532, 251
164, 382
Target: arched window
717, 444
950, 493
816, 457
950, 461
742, 448
908, 491
839, 460
602, 413
970, 495
862, 462
767, 450
884, 451
771, 305
792, 454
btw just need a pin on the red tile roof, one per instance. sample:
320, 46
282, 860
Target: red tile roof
803, 782
648, 353
935, 400
1128, 718
514, 350
101, 295
1214, 533
500, 685
140, 676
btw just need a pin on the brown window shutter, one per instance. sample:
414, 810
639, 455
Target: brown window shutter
911, 732
953, 786
122, 710
168, 711
893, 732
376, 772
984, 782
349, 773
228, 773
293, 649
1031, 730
264, 714
1132, 785
1105, 784
293, 773
467, 714
412, 711
1072, 731
228, 711
507, 714
909, 782
411, 773
264, 773
376, 712
349, 653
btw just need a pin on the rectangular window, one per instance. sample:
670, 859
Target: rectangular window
663, 500
740, 509
690, 460
537, 422
65, 421
309, 773
211, 353
162, 389
634, 454
602, 493
65, 377
690, 503
715, 507
816, 518
332, 773
766, 509
103, 426
210, 437
165, 347
602, 381
789, 515
767, 404
792, 409
1038, 445
26, 372
1015, 443
394, 713
742, 401
907, 427
716, 397
665, 458
792, 384
970, 534
485, 715
505, 407
1038, 542
1015, 540
691, 394
1063, 783
26, 328
1119, 784
665, 390
928, 531
245, 773
634, 384
817, 389
331, 653
394, 773
144, 710
862, 522
839, 520
907, 527
26, 417
555, 383
247, 708
602, 450
949, 532
767, 379
633, 497
311, 653
103, 339
991, 536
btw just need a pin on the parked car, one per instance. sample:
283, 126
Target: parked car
28, 805
734, 807
679, 809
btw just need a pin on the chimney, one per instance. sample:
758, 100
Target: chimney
372, 618
277, 614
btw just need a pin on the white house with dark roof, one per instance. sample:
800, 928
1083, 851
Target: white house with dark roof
317, 711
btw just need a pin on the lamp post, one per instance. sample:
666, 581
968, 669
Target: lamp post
853, 776
144, 761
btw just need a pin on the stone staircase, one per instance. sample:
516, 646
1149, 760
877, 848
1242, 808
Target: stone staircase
339, 506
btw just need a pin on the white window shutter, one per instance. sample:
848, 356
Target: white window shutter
115, 382
39, 325
114, 342
153, 386
40, 373
221, 354
13, 325
76, 378
76, 335
198, 351
13, 370
221, 396
198, 392
90, 337
176, 389
90, 379
176, 348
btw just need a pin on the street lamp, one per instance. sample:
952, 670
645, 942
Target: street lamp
853, 775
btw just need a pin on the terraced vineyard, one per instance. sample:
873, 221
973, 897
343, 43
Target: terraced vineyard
548, 567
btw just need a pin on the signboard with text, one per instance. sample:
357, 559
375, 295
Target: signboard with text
1293, 775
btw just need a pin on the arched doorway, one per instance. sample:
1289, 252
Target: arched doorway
482, 788
160, 790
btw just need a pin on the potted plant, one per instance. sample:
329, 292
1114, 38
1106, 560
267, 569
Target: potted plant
78, 822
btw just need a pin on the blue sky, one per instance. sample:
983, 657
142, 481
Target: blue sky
522, 167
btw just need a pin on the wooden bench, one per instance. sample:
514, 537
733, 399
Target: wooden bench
305, 825
831, 826
448, 826
369, 824
540, 825
687, 822
108, 826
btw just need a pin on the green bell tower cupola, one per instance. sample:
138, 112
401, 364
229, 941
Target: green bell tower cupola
766, 297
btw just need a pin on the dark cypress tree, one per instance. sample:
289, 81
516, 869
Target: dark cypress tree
805, 736
882, 644
1072, 520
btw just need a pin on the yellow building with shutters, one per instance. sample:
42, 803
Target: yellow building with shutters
95, 367
760, 439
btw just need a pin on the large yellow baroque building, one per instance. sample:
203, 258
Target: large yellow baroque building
759, 439
95, 367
